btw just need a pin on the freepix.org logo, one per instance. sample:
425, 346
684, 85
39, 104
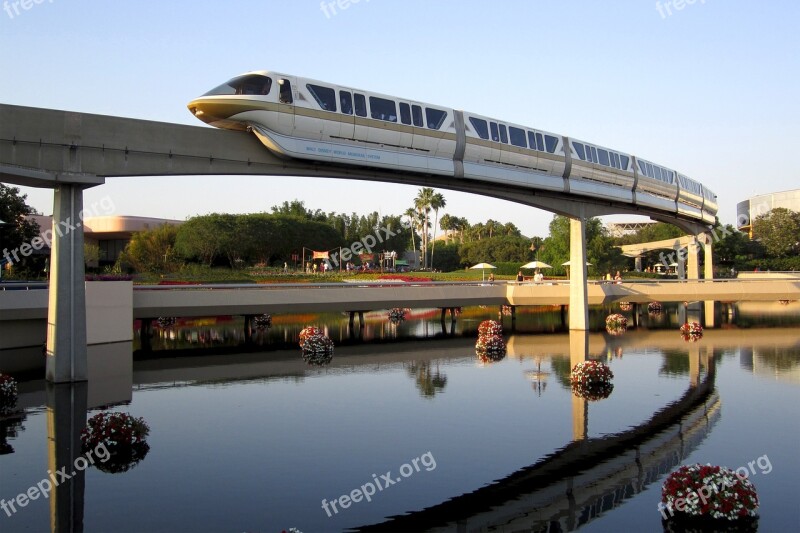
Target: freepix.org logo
15, 8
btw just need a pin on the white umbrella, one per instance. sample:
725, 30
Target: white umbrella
568, 263
536, 264
483, 267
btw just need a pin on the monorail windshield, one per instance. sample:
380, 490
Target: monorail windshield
254, 84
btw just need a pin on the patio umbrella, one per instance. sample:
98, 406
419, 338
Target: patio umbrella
483, 267
536, 264
568, 263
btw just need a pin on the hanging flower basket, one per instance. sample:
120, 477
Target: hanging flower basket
8, 394
307, 332
122, 435
592, 380
165, 322
318, 350
490, 328
708, 497
691, 332
263, 321
490, 348
655, 307
505, 310
616, 324
625, 306
397, 314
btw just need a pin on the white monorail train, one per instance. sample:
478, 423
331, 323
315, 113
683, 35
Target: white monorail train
308, 119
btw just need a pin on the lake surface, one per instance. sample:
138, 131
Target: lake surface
250, 438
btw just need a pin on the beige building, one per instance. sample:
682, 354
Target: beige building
110, 233
760, 205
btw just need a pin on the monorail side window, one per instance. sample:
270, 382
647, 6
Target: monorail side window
360, 104
589, 155
603, 157
657, 170
383, 109
495, 132
435, 117
551, 143
540, 142
532, 140
623, 159
650, 172
481, 127
285, 96
325, 96
346, 102
615, 160
405, 113
416, 116
517, 137
503, 134
642, 167
579, 150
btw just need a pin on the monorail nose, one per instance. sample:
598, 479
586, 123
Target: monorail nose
218, 113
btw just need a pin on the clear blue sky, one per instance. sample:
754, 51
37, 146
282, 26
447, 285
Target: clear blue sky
711, 89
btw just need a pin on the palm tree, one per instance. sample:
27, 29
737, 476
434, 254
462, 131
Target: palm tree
423, 204
437, 202
411, 213
447, 224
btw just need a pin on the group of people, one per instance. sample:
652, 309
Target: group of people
617, 277
538, 277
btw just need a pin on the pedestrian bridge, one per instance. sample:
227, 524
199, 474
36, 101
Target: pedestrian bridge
30, 302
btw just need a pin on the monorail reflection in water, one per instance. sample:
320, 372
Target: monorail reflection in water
283, 436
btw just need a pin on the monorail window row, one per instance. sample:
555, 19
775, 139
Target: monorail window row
690, 185
601, 156
498, 132
379, 108
656, 172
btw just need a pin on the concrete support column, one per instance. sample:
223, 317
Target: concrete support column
694, 261
681, 260
66, 318
638, 264
578, 290
708, 258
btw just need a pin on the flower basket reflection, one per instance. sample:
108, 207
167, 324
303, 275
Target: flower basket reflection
490, 348
625, 306
655, 308
591, 380
8, 394
691, 332
708, 498
262, 321
317, 350
165, 322
123, 437
397, 314
616, 324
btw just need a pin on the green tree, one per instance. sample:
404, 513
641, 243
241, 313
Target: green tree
17, 230
297, 208
91, 253
198, 239
152, 250
423, 203
778, 231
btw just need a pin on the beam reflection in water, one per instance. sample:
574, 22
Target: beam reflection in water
587, 477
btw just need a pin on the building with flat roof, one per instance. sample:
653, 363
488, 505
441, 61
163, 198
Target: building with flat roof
762, 204
110, 233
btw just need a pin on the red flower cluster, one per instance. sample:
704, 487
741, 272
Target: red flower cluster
592, 380
691, 331
308, 332
489, 328
114, 430
709, 491
616, 324
655, 308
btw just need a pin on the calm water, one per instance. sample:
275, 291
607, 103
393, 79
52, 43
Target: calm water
256, 441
